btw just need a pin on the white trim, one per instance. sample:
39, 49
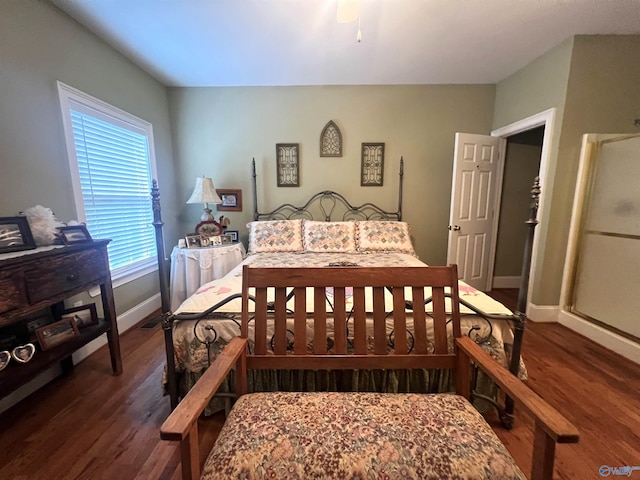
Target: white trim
543, 313
546, 118
125, 321
506, 282
612, 341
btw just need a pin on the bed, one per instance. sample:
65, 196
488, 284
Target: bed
346, 434
362, 236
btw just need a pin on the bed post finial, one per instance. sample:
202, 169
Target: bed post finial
162, 262
520, 317
255, 189
400, 189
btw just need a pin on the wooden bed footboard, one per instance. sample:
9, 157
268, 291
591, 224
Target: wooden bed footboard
359, 348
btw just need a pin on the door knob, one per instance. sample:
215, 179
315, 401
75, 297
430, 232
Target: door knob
455, 228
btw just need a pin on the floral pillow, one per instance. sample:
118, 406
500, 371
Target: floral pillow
384, 236
334, 237
275, 236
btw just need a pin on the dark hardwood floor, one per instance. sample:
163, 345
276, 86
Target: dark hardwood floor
91, 425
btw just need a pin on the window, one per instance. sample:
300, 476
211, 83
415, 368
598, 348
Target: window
112, 163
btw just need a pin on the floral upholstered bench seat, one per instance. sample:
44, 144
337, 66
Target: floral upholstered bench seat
290, 435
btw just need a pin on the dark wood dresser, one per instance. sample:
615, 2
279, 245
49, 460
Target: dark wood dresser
44, 277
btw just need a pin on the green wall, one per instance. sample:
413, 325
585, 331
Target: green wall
38, 46
218, 130
592, 81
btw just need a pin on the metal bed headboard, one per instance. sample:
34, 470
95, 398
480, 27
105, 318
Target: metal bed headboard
327, 206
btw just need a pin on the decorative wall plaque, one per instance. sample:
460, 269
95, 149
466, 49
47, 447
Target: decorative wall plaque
288, 156
331, 141
372, 164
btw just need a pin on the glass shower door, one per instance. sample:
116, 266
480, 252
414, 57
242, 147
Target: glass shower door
606, 287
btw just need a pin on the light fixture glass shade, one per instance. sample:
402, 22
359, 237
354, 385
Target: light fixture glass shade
348, 10
204, 192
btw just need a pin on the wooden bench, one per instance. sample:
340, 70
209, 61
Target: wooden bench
335, 435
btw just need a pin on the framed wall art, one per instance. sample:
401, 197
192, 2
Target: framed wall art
288, 157
331, 141
372, 168
231, 200
15, 234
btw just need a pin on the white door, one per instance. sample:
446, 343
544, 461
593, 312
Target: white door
477, 167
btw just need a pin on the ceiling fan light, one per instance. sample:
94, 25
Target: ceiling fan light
348, 10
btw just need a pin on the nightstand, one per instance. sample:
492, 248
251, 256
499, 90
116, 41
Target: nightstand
193, 267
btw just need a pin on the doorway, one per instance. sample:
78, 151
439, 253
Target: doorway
546, 120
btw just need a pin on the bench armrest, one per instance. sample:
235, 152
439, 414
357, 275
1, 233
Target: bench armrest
182, 424
551, 426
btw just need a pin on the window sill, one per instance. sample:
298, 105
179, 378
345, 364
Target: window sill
129, 275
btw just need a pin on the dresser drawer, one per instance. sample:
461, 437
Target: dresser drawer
64, 273
12, 292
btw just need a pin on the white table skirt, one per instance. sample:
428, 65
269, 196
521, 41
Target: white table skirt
193, 267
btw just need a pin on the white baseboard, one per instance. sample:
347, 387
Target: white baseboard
506, 282
125, 321
543, 313
612, 341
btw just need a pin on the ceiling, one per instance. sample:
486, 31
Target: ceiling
299, 42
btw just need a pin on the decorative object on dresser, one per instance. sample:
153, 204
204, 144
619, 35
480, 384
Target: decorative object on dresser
23, 353
44, 224
331, 140
15, 234
84, 315
204, 192
5, 358
71, 234
288, 158
42, 279
56, 333
231, 200
372, 168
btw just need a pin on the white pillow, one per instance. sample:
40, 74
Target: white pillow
333, 237
275, 236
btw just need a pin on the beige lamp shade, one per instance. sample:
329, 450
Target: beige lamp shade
204, 192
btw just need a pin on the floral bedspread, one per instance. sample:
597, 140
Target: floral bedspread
363, 435
196, 345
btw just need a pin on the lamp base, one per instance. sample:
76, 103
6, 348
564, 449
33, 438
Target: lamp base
207, 216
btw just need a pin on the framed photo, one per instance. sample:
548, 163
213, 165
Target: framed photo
226, 239
216, 240
84, 315
15, 234
38, 320
231, 200
74, 234
193, 241
288, 156
372, 167
233, 234
56, 333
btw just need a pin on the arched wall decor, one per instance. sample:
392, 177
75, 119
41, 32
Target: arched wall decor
331, 141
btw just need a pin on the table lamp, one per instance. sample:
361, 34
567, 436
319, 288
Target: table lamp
204, 192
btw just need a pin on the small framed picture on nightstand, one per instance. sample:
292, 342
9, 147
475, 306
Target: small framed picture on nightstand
233, 234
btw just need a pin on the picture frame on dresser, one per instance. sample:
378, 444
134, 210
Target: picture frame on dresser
233, 234
57, 333
15, 234
72, 234
84, 315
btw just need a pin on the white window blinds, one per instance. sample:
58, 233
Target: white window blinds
112, 181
